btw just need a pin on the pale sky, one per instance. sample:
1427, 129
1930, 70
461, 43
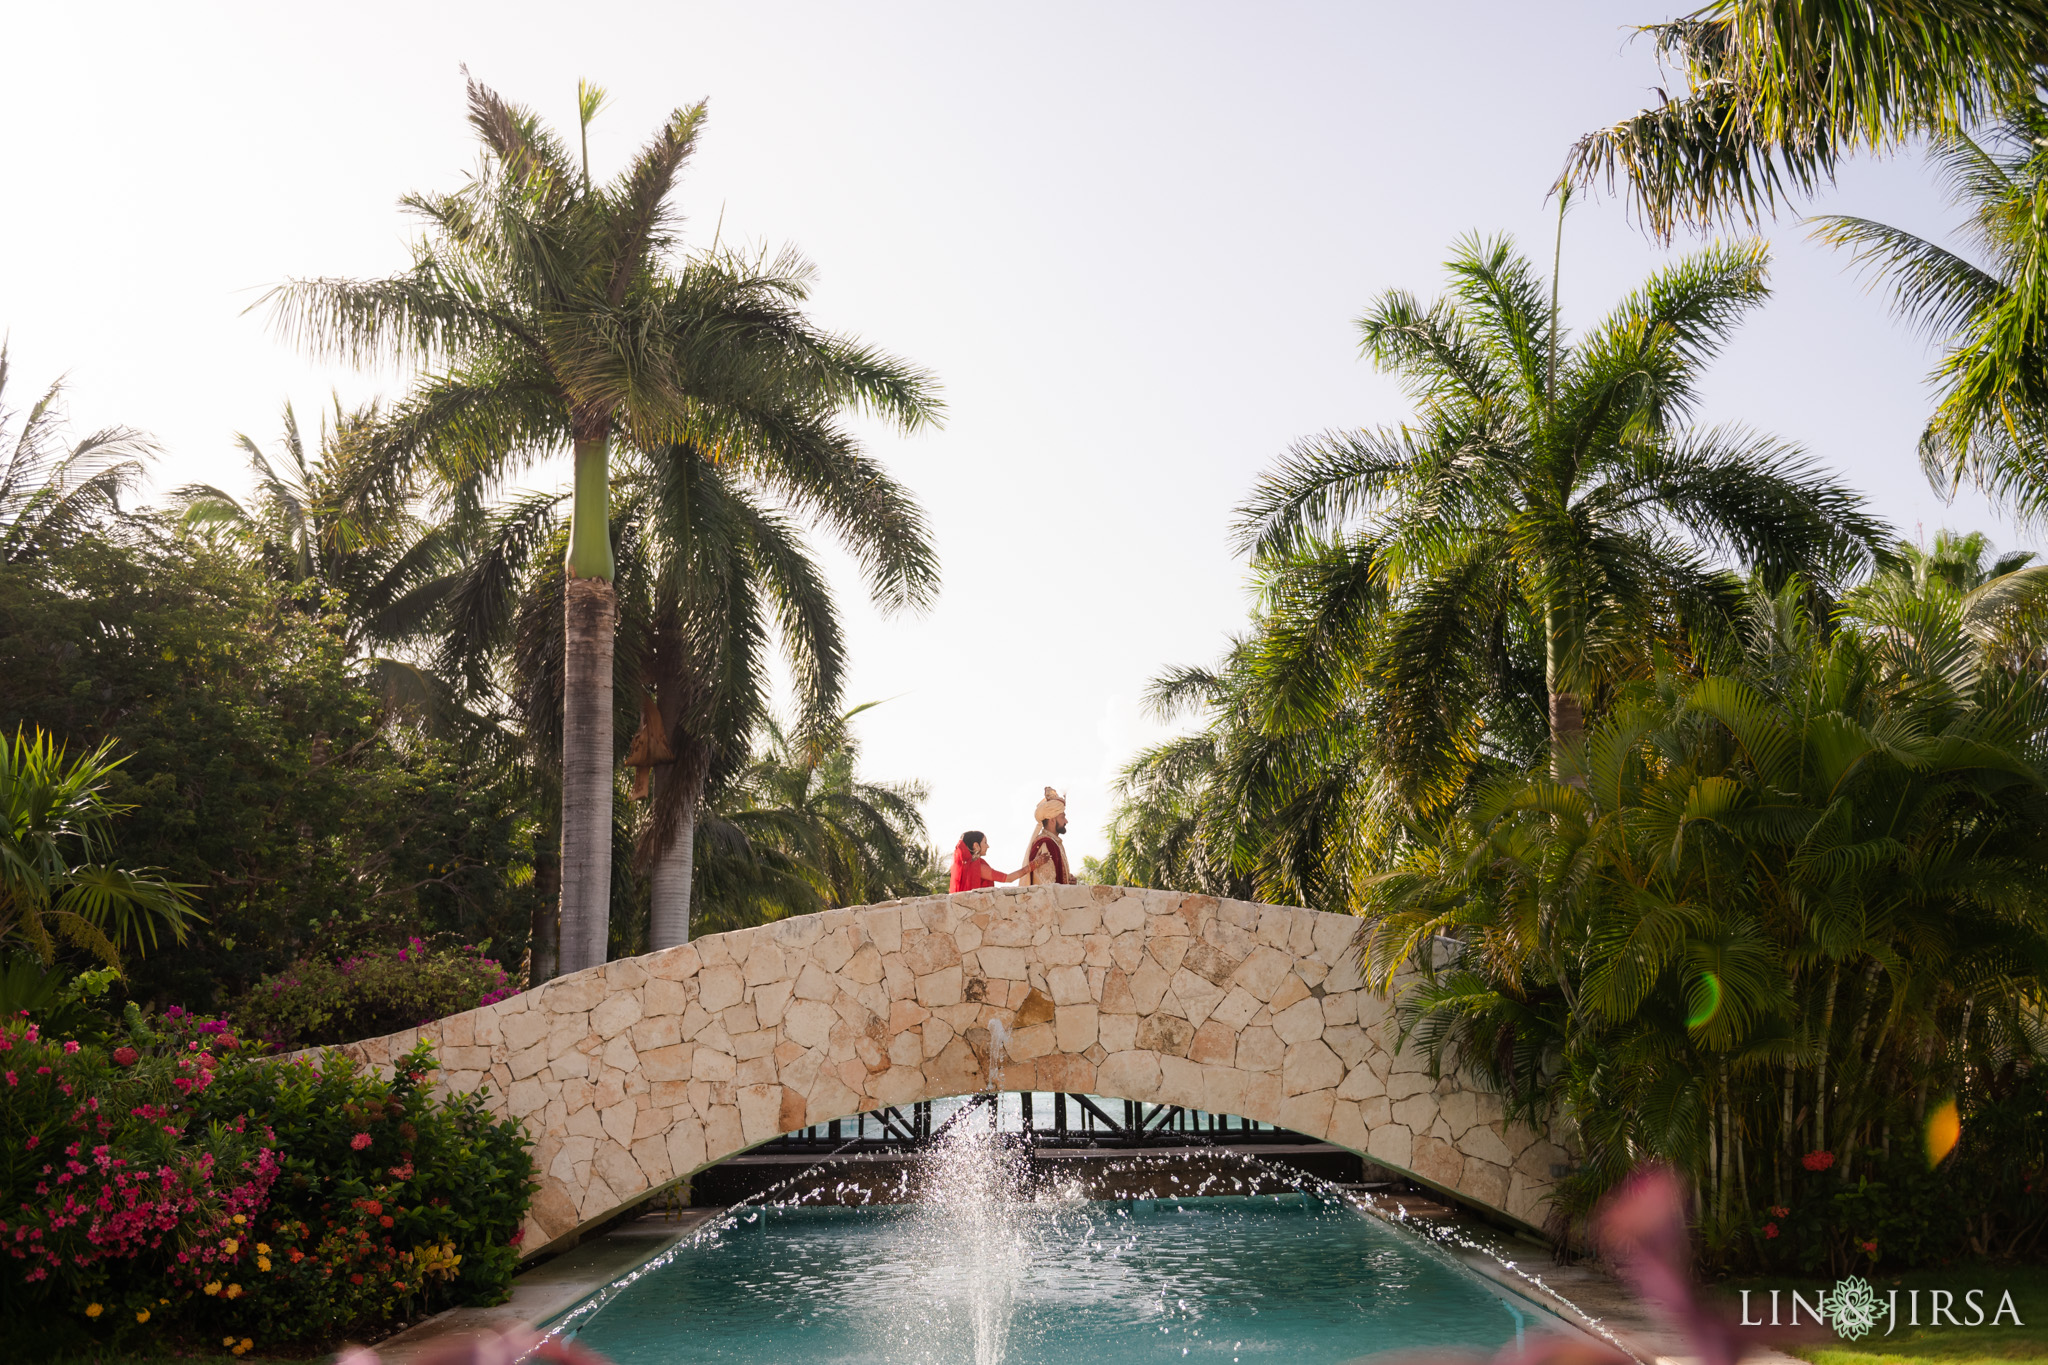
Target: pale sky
1129, 239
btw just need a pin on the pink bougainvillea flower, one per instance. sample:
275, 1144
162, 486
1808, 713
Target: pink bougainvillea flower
1817, 1161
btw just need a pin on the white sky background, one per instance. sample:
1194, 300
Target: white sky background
1129, 239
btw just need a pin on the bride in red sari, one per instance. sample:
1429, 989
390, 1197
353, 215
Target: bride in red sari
971, 871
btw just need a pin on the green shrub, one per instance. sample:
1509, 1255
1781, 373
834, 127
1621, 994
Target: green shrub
369, 993
176, 1184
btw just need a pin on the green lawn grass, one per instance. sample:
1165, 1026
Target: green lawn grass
1942, 1345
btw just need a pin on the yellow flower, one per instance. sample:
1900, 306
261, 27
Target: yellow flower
229, 1246
263, 1263
263, 1248
142, 1315
93, 1310
239, 1220
227, 1341
234, 1291
212, 1287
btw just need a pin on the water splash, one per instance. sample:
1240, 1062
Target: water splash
981, 1222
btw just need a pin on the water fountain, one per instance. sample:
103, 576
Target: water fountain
998, 1266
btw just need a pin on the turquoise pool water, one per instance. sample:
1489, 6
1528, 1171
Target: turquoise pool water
1296, 1279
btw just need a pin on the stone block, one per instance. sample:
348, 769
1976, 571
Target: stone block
1360, 1083
1214, 1044
1311, 1066
1181, 1082
1292, 988
1076, 1027
815, 983
942, 987
1484, 1181
1149, 985
1116, 1032
1416, 1112
1261, 973
664, 1030
760, 1113
666, 1064
618, 1120
1391, 1143
1116, 993
809, 1022
955, 1071
573, 994
1068, 985
1299, 1022
1124, 915
1436, 1161
1003, 964
1165, 1033
1198, 996
1129, 1075
1260, 1049
1347, 1127
720, 988
709, 1065
521, 1031
1308, 1113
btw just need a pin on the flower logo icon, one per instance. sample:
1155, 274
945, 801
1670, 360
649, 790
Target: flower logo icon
1852, 1308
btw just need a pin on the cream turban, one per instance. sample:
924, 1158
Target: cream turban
1054, 804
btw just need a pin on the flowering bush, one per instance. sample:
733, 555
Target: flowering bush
182, 1182
369, 993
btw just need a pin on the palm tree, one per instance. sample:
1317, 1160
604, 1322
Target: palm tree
51, 494
1249, 806
1779, 92
545, 310
1990, 314
854, 841
59, 876
1547, 521
344, 545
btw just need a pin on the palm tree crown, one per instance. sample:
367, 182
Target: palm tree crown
1549, 501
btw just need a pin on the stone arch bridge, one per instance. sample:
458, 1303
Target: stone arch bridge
641, 1072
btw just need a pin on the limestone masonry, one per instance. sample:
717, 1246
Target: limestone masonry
640, 1072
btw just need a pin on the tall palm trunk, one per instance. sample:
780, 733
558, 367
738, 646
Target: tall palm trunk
544, 942
589, 625
675, 859
1567, 713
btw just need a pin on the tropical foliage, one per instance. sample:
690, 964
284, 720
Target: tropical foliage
1457, 592
170, 1182
546, 312
1780, 92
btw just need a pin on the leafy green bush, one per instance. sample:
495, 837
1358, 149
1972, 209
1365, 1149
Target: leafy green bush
1987, 1198
369, 993
175, 1182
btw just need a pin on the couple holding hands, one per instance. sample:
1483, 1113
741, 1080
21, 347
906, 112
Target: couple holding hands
1045, 862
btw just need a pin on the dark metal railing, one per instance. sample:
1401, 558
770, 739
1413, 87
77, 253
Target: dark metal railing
1074, 1121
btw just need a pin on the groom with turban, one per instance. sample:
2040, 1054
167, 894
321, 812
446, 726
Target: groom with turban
1045, 862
